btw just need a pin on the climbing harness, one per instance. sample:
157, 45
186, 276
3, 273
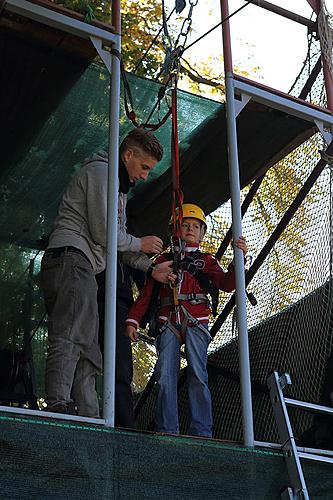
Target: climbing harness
180, 328
192, 298
179, 310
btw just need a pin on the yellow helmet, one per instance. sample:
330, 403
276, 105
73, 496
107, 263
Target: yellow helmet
193, 211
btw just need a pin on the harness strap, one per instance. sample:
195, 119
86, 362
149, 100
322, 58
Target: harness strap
193, 298
193, 320
174, 330
181, 332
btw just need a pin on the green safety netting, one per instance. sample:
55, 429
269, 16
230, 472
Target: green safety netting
32, 187
58, 459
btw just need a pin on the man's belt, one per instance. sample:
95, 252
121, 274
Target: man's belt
59, 251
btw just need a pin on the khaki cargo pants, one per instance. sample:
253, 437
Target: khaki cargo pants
74, 357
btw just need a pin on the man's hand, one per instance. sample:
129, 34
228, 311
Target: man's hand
151, 244
163, 272
132, 333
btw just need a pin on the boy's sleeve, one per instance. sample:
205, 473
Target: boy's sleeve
224, 280
141, 305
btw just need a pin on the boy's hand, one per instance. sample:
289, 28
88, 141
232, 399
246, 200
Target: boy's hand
163, 272
132, 333
241, 244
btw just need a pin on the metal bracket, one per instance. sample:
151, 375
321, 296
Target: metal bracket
285, 104
287, 494
327, 135
284, 380
240, 104
104, 54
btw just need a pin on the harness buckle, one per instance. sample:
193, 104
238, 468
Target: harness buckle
194, 299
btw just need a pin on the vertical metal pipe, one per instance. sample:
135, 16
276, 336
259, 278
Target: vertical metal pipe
27, 329
315, 4
111, 238
244, 360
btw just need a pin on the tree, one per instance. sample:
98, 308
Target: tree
141, 21
142, 44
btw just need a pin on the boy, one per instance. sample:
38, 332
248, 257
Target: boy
183, 318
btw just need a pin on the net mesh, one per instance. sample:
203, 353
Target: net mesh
290, 328
69, 460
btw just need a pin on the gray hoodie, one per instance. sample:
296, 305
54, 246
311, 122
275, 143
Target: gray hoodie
81, 220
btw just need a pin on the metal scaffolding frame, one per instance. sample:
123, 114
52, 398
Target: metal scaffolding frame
103, 41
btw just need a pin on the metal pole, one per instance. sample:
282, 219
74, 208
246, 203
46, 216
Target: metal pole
111, 238
328, 80
30, 382
244, 361
285, 13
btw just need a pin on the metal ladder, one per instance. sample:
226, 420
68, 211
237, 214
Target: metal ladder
292, 454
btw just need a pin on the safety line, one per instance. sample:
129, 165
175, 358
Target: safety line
219, 24
152, 43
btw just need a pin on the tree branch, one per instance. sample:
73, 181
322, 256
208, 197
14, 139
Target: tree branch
198, 78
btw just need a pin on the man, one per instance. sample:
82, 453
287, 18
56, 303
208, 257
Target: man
76, 252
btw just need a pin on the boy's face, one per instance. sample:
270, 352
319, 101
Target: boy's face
191, 230
138, 163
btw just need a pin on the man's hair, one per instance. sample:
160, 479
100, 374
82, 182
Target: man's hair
144, 140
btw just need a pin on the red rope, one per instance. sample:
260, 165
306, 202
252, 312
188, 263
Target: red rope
177, 195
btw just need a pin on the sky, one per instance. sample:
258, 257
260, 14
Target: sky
274, 44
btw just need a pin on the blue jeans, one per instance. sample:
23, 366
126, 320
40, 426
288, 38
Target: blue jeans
167, 371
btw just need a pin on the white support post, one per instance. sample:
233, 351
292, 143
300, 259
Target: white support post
244, 360
112, 222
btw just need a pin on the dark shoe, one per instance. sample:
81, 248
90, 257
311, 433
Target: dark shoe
65, 408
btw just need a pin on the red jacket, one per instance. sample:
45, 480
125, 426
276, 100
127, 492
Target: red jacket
187, 284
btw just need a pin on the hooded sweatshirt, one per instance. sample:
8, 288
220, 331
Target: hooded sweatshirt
81, 220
